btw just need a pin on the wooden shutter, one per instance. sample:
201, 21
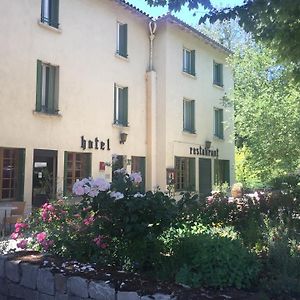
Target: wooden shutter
221, 126
54, 13
20, 175
125, 107
193, 67
216, 171
115, 103
221, 74
39, 82
56, 90
204, 176
51, 90
226, 170
192, 116
65, 172
191, 174
87, 162
123, 39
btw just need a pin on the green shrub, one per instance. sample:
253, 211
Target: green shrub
214, 261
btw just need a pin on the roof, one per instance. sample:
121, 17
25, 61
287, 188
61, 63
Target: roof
172, 19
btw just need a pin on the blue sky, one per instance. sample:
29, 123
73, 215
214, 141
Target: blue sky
184, 14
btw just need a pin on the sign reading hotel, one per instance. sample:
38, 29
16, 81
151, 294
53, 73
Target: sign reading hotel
204, 151
94, 144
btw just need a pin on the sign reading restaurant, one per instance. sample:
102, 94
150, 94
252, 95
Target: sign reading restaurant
94, 144
204, 151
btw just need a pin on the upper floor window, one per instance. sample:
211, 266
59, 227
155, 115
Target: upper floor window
189, 61
47, 88
49, 12
218, 74
122, 39
218, 123
120, 105
189, 115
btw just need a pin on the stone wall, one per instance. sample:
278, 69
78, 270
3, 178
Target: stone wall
20, 280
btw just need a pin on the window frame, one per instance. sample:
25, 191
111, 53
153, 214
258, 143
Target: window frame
183, 173
118, 115
191, 127
218, 74
47, 89
218, 123
119, 51
188, 61
51, 7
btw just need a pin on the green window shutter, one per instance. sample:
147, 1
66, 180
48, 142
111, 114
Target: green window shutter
120, 112
226, 170
54, 13
115, 103
191, 174
20, 175
51, 90
221, 126
125, 107
215, 73
65, 171
216, 122
193, 116
193, 57
123, 39
39, 81
216, 172
56, 90
221, 74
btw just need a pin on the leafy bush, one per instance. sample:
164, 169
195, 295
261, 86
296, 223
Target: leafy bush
214, 261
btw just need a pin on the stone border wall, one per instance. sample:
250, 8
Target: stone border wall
20, 280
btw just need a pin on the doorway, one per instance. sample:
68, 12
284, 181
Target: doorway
44, 176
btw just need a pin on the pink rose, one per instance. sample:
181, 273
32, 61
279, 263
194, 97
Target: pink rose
22, 244
41, 237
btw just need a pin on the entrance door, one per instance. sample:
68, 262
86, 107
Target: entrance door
44, 176
204, 176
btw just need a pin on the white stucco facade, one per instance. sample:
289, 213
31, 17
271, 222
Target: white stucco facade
84, 48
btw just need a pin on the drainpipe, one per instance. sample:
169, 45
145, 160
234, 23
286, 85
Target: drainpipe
152, 28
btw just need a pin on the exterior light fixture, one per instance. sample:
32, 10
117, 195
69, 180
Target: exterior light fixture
123, 137
207, 144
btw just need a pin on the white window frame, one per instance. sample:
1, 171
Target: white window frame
185, 103
187, 68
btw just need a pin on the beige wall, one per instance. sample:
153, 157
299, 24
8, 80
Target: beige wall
84, 49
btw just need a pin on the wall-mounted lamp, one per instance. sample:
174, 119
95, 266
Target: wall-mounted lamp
207, 144
123, 137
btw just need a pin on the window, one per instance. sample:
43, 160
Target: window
218, 123
12, 162
221, 171
138, 164
77, 166
218, 74
120, 105
47, 88
122, 39
184, 174
189, 116
189, 61
49, 12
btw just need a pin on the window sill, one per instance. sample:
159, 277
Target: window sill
187, 132
49, 27
119, 125
125, 58
40, 113
189, 75
216, 138
221, 87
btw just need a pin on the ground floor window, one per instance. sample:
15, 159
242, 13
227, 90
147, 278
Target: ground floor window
138, 164
184, 174
205, 176
12, 162
77, 166
221, 171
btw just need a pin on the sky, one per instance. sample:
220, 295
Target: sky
185, 15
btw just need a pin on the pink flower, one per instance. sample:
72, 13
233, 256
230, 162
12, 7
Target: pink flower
19, 226
47, 244
98, 241
89, 220
14, 235
22, 244
41, 237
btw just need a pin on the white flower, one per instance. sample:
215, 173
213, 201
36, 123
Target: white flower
138, 195
116, 195
136, 177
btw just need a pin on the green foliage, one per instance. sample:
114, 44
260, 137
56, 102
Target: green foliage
213, 261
